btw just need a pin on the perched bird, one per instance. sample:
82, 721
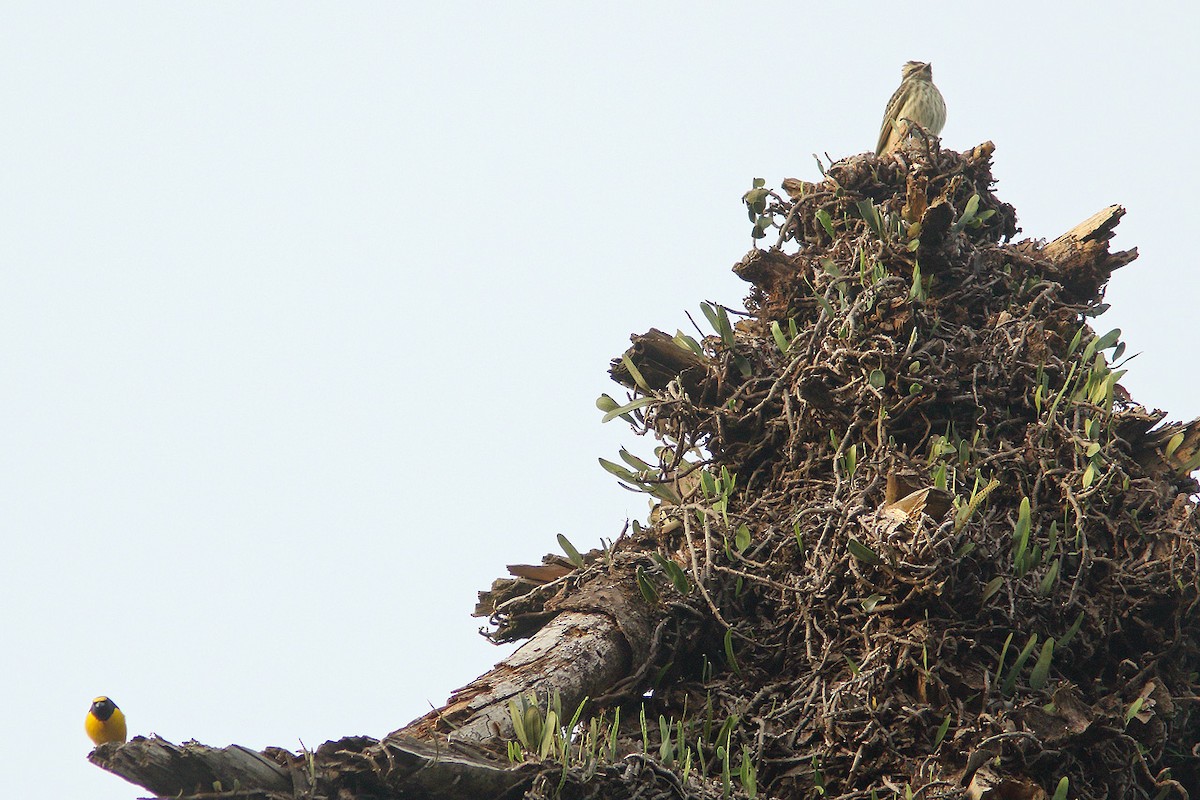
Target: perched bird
105, 722
916, 102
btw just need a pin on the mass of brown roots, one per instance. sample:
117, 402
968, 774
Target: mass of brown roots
913, 534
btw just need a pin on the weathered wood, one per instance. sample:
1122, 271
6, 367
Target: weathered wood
516, 606
601, 633
1174, 447
169, 769
769, 270
660, 360
351, 767
1080, 256
404, 767
935, 230
1097, 228
577, 654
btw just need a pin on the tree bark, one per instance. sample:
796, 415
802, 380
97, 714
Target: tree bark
1081, 257
576, 655
660, 360
351, 767
602, 633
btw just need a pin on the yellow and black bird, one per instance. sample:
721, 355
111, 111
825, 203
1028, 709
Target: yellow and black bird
105, 722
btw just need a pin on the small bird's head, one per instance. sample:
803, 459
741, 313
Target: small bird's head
104, 722
917, 69
103, 708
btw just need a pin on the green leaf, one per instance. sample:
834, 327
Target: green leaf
1075, 342
972, 206
635, 373
674, 572
518, 721
826, 221
939, 477
1003, 653
572, 554
870, 215
622, 411
992, 587
605, 403
1108, 340
578, 713
1089, 351
663, 491
620, 471
877, 379
733, 663
756, 200
688, 343
710, 314
550, 727
646, 588
1041, 669
850, 458
1021, 534
831, 267
1173, 444
749, 774
941, 732
1066, 638
861, 551
869, 603
825, 305
1133, 709
1010, 681
1188, 466
1060, 791
718, 317
741, 539
1049, 578
916, 289
968, 215
1066, 384
780, 340
635, 462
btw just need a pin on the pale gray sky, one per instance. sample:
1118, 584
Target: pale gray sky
305, 306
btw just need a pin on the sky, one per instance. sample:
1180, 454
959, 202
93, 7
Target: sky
305, 306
